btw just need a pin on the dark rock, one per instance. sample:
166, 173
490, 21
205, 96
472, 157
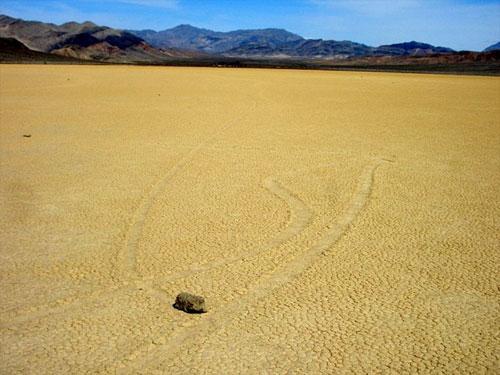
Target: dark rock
190, 303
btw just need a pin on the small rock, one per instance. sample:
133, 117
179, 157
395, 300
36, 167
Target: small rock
190, 303
26, 135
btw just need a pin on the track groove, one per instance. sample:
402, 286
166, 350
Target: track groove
146, 357
134, 233
300, 217
61, 307
133, 236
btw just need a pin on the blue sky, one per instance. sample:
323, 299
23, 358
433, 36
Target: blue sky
459, 24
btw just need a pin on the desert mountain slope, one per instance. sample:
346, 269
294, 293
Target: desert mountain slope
493, 47
410, 49
265, 43
12, 50
305, 48
84, 41
100, 43
190, 37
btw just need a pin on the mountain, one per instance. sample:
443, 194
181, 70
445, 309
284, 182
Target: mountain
100, 43
193, 38
12, 50
410, 49
73, 42
84, 41
331, 49
463, 62
493, 47
491, 59
305, 48
273, 43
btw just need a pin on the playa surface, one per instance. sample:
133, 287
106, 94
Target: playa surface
333, 221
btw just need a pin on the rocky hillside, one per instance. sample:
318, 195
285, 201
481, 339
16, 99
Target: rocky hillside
84, 41
409, 49
331, 49
12, 50
193, 38
274, 43
305, 48
89, 41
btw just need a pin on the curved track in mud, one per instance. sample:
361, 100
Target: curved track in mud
148, 356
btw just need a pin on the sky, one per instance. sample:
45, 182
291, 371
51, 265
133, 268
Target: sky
458, 24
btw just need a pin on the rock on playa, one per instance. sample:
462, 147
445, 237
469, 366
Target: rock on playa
190, 303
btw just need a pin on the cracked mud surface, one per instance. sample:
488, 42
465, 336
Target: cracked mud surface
335, 222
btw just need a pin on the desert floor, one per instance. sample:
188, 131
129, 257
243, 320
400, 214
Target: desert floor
335, 222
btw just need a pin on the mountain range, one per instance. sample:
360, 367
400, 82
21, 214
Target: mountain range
84, 41
12, 50
89, 41
193, 38
273, 43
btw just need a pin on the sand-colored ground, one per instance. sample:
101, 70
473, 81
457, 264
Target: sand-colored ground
336, 222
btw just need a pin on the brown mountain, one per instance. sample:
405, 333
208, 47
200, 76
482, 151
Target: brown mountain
29, 41
274, 43
462, 57
215, 42
12, 50
453, 62
85, 41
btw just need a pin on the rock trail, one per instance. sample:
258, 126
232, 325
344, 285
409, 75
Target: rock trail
147, 357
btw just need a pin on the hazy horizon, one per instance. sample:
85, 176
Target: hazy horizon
461, 25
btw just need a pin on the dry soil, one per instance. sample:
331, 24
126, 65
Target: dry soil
335, 222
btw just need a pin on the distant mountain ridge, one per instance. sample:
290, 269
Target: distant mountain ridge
89, 41
493, 47
12, 50
84, 41
190, 37
410, 49
274, 43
